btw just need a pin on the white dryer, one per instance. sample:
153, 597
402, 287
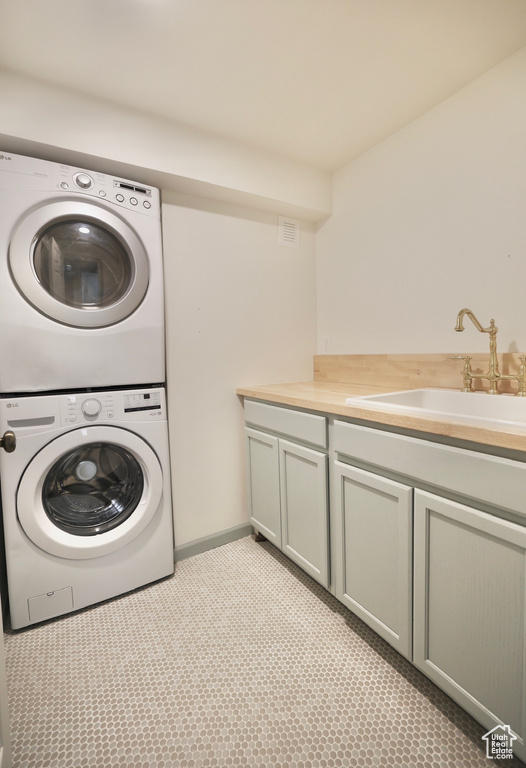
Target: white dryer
86, 498
82, 279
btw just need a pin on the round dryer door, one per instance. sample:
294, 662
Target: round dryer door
89, 492
79, 263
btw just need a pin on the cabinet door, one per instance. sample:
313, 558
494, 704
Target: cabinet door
470, 610
262, 462
374, 519
305, 508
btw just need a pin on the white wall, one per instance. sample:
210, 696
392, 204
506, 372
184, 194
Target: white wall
429, 221
240, 310
40, 120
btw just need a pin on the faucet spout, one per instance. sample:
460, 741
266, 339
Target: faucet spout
492, 329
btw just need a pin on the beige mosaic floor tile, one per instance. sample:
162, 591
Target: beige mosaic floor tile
239, 659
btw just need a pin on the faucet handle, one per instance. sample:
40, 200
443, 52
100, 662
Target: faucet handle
467, 381
521, 377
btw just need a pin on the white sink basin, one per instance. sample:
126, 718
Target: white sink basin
473, 407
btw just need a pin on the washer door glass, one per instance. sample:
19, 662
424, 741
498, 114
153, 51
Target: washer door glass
90, 492
82, 264
93, 489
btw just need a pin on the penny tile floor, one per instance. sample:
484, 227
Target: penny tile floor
239, 659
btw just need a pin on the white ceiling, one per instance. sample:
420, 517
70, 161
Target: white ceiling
319, 81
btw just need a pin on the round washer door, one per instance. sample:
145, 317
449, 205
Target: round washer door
89, 492
79, 264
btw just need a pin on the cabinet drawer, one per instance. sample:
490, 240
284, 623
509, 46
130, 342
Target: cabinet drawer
479, 477
307, 427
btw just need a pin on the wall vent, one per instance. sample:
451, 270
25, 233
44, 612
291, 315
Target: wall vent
288, 232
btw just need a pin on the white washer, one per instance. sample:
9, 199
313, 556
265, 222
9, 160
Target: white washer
82, 279
86, 498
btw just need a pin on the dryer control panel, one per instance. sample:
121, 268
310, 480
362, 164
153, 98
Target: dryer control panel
122, 192
34, 174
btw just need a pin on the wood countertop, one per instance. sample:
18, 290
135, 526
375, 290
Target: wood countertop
329, 397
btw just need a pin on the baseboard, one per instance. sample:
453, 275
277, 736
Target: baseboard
199, 546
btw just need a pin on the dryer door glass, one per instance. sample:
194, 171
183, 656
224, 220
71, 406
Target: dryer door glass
92, 489
82, 264
79, 263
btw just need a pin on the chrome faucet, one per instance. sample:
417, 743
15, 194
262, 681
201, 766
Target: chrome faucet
493, 375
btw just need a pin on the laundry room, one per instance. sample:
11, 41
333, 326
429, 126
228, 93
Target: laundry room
391, 141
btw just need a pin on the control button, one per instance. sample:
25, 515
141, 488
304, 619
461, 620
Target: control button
102, 193
83, 181
64, 185
73, 418
91, 407
110, 414
119, 198
133, 200
147, 204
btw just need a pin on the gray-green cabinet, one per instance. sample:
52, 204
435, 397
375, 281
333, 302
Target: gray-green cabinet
287, 483
428, 545
305, 508
262, 462
468, 549
373, 521
470, 609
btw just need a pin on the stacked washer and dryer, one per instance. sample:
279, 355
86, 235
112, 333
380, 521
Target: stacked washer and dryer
84, 464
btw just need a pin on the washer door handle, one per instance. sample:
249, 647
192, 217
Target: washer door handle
8, 441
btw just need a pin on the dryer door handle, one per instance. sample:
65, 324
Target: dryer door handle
8, 441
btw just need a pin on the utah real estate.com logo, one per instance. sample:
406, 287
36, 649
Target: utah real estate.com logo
499, 743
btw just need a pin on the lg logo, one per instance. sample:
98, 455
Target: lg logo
12, 405
5, 157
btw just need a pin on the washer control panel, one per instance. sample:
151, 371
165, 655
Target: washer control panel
41, 413
142, 401
117, 405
